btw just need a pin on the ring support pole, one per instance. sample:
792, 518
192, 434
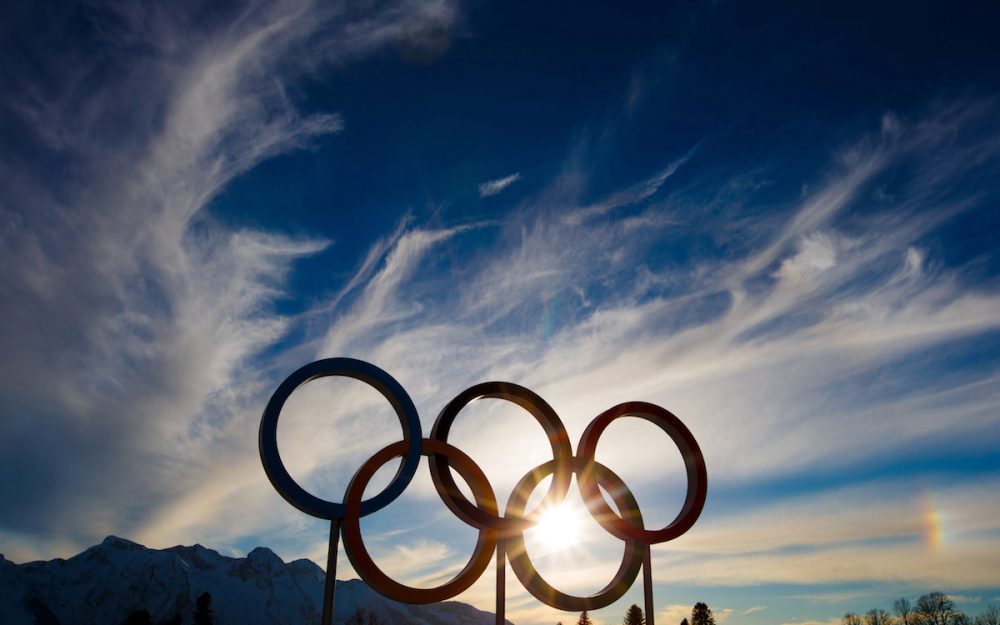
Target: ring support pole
647, 584
329, 590
501, 581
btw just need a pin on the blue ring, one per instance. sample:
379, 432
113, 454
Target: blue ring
377, 379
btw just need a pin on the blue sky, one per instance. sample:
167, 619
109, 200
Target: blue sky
778, 221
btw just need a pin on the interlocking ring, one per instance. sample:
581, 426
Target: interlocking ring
362, 561
525, 570
501, 534
546, 417
694, 462
377, 379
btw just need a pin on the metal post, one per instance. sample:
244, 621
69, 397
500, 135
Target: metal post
501, 581
647, 583
331, 572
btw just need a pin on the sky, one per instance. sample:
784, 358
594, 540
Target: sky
778, 221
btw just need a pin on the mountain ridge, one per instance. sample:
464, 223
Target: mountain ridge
106, 582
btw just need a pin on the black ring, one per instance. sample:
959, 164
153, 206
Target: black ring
546, 417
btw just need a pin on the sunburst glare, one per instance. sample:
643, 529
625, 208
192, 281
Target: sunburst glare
559, 526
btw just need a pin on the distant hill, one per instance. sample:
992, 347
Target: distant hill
105, 583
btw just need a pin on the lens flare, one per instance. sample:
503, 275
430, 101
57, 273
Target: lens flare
559, 527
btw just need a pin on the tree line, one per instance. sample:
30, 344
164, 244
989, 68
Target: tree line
934, 608
202, 614
700, 615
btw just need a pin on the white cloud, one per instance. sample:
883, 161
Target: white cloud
708, 371
832, 621
438, 340
138, 317
841, 596
629, 196
880, 510
751, 610
492, 187
673, 614
746, 352
404, 561
873, 532
141, 325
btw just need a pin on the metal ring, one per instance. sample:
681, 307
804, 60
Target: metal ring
358, 370
694, 462
362, 561
626, 524
546, 417
526, 571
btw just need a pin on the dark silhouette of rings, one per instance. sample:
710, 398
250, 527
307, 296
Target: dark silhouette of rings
377, 379
525, 570
694, 462
363, 563
499, 534
546, 417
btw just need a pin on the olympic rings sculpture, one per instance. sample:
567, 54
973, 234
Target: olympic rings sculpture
499, 534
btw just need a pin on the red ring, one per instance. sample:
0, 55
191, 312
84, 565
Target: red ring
694, 461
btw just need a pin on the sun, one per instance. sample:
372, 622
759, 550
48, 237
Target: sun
559, 527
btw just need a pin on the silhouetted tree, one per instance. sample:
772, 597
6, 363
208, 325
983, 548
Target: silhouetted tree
139, 617
877, 617
684, 622
990, 617
936, 608
203, 609
364, 616
634, 616
904, 611
175, 620
584, 619
701, 615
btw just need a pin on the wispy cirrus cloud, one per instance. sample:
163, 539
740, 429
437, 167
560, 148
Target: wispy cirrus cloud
492, 187
405, 561
634, 194
965, 598
132, 319
797, 325
823, 538
142, 328
832, 621
674, 613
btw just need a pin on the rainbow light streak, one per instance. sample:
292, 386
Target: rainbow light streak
932, 522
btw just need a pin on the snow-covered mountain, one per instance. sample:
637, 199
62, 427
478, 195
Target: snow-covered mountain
105, 583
